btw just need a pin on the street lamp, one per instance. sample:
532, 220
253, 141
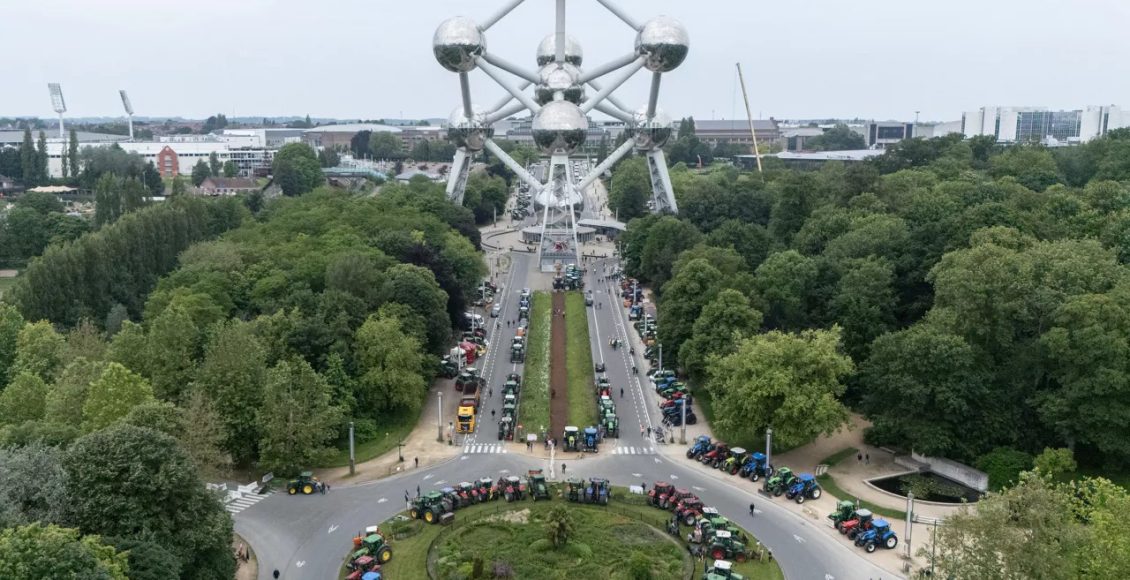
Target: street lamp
400, 450
768, 445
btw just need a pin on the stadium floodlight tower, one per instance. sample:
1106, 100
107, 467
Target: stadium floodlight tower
560, 106
58, 104
129, 111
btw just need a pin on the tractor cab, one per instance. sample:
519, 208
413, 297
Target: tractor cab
605, 403
509, 410
509, 400
757, 467
597, 491
591, 439
722, 570
536, 481
511, 388
486, 489
699, 447
780, 482
506, 429
678, 496
845, 509
603, 387
688, 510
804, 488
659, 493
721, 454
572, 438
719, 448
734, 462
514, 488
611, 424
448, 368
451, 497
469, 492
574, 489
515, 377
305, 483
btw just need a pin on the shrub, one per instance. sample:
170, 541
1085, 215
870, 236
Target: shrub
1003, 465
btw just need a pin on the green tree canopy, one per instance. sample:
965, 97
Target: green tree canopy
631, 188
390, 365
112, 396
297, 420
839, 138
39, 351
35, 551
25, 399
723, 323
296, 169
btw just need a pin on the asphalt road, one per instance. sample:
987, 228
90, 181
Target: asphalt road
307, 537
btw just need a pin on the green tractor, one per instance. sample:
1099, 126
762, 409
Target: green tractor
506, 429
606, 404
510, 410
511, 388
722, 570
373, 547
845, 510
517, 353
448, 368
305, 484
429, 507
611, 424
780, 482
571, 438
574, 489
726, 547
535, 481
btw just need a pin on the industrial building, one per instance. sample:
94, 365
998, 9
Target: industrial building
737, 132
1040, 125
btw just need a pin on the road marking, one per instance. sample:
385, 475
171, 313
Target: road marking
463, 458
697, 488
799, 539
382, 500
637, 475
504, 471
829, 577
300, 563
673, 476
656, 459
427, 477
441, 482
332, 529
756, 511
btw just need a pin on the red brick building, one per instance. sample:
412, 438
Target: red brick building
167, 163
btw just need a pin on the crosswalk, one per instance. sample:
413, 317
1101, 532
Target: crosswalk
245, 501
630, 450
484, 448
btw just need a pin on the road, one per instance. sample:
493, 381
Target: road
306, 537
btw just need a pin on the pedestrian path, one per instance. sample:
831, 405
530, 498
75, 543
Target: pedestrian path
245, 501
498, 448
632, 450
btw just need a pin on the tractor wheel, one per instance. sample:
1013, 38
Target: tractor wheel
777, 492
509, 497
754, 476
689, 520
892, 542
870, 547
733, 470
292, 490
307, 489
690, 454
840, 528
429, 517
741, 557
384, 555
718, 553
789, 495
816, 493
415, 513
799, 498
852, 533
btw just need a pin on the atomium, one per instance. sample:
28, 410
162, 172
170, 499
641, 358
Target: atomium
472, 132
664, 42
559, 78
651, 134
560, 127
547, 51
458, 43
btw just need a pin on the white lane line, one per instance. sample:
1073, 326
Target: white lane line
382, 500
332, 529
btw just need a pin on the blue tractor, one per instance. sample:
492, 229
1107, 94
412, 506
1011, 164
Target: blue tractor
591, 439
880, 534
701, 444
756, 467
804, 488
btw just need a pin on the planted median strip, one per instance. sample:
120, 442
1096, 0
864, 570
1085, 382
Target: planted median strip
578, 349
534, 408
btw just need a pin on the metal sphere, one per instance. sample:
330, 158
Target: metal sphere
665, 43
560, 126
469, 132
651, 134
457, 43
547, 51
559, 79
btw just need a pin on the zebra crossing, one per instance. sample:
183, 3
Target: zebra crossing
245, 501
630, 450
482, 448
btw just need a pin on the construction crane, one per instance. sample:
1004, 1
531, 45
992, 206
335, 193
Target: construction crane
749, 115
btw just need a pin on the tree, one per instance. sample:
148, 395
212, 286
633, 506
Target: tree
36, 551
631, 189
112, 396
232, 374
29, 161
11, 323
107, 200
152, 179
386, 145
178, 188
131, 482
68, 394
389, 365
159, 416
666, 239
204, 442
864, 303
297, 421
214, 164
559, 526
839, 138
330, 157
200, 172
682, 301
39, 351
751, 241
788, 381
32, 485
41, 173
171, 351
1033, 167
11, 164
25, 399
785, 282
214, 123
359, 144
1004, 466
422, 151
417, 288
296, 169
147, 560
230, 169
724, 322
1055, 462
72, 153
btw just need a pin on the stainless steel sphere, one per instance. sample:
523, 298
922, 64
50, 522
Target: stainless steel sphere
456, 44
560, 126
665, 43
559, 79
651, 134
469, 132
547, 51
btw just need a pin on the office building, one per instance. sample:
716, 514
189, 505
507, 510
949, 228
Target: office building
1040, 125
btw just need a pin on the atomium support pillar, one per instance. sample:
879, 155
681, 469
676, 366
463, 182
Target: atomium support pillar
457, 178
661, 192
558, 246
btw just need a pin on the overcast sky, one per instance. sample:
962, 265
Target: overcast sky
880, 59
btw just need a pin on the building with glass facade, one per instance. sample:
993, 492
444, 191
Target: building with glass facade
1040, 125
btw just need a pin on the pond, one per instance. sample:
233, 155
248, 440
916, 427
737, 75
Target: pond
928, 486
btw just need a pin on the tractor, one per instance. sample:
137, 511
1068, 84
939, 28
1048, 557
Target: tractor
860, 522
804, 488
510, 410
603, 387
605, 404
506, 428
575, 489
572, 438
511, 387
713, 522
725, 546
448, 368
374, 547
591, 440
486, 488
720, 457
674, 416
708, 458
598, 491
429, 507
701, 443
452, 497
733, 463
515, 377
674, 499
880, 534
366, 569
469, 494
757, 467
611, 424
688, 510
513, 489
657, 497
306, 483
722, 570
517, 353
845, 510
469, 375
780, 482
537, 486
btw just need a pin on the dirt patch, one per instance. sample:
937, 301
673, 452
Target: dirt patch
558, 373
247, 568
515, 517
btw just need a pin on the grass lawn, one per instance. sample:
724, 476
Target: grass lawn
6, 283
603, 544
533, 405
582, 406
392, 430
830, 486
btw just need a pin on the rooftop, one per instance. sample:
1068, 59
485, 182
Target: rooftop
230, 183
354, 128
734, 125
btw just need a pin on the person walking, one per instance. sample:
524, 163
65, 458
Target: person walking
621, 392
751, 509
417, 460
562, 469
275, 573
867, 459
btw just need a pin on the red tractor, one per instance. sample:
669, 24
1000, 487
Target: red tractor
679, 496
689, 510
469, 494
513, 488
657, 497
861, 522
720, 450
487, 489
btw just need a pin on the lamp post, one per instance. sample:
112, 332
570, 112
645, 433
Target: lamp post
439, 416
352, 457
909, 520
400, 450
768, 446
